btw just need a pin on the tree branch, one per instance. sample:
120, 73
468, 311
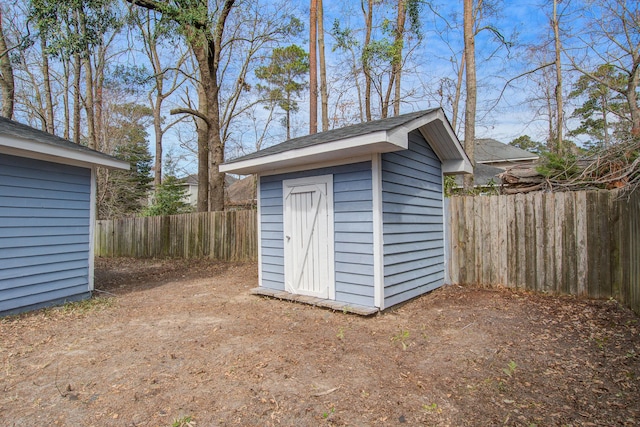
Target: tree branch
508, 82
170, 12
192, 112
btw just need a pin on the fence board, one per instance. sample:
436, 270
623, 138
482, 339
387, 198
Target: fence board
573, 229
511, 253
225, 236
582, 262
558, 241
549, 210
461, 243
502, 241
581, 243
484, 223
540, 275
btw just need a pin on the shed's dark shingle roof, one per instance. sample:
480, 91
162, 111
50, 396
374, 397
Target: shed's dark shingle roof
19, 130
336, 134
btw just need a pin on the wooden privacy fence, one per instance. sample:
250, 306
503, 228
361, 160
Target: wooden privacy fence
579, 243
225, 236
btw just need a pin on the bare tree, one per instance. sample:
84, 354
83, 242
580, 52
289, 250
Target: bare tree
204, 29
555, 22
7, 85
253, 32
396, 71
313, 67
368, 28
225, 42
611, 37
324, 97
48, 97
346, 41
471, 88
152, 31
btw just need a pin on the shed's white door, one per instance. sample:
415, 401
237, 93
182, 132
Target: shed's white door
308, 236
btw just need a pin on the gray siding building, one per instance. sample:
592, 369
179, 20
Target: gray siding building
47, 200
354, 216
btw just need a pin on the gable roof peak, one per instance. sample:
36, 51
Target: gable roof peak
360, 141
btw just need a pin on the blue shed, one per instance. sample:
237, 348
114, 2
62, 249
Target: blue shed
47, 215
352, 218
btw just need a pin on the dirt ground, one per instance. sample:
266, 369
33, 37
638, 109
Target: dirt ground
179, 341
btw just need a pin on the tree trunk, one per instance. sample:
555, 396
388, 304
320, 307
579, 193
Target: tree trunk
216, 149
288, 117
358, 87
313, 68
206, 44
632, 97
77, 62
7, 84
157, 128
202, 129
387, 97
99, 85
368, 23
216, 145
456, 100
397, 63
65, 99
89, 86
551, 140
324, 97
558, 90
605, 122
88, 103
470, 106
48, 98
157, 106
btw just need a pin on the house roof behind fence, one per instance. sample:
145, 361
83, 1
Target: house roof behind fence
489, 150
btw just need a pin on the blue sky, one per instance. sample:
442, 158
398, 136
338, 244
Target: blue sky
505, 111
520, 22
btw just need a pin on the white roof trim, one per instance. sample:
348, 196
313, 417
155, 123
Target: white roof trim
456, 167
319, 165
53, 153
319, 153
367, 144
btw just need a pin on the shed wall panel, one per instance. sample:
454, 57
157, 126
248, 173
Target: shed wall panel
44, 232
353, 230
413, 230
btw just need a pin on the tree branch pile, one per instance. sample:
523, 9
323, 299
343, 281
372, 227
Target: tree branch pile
617, 167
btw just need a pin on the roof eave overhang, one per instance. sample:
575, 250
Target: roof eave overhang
36, 150
376, 142
457, 167
437, 130
434, 126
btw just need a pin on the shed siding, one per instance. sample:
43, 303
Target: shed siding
353, 230
44, 233
413, 232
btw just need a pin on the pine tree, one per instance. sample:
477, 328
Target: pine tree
169, 198
284, 78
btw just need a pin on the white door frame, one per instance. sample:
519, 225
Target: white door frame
324, 183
